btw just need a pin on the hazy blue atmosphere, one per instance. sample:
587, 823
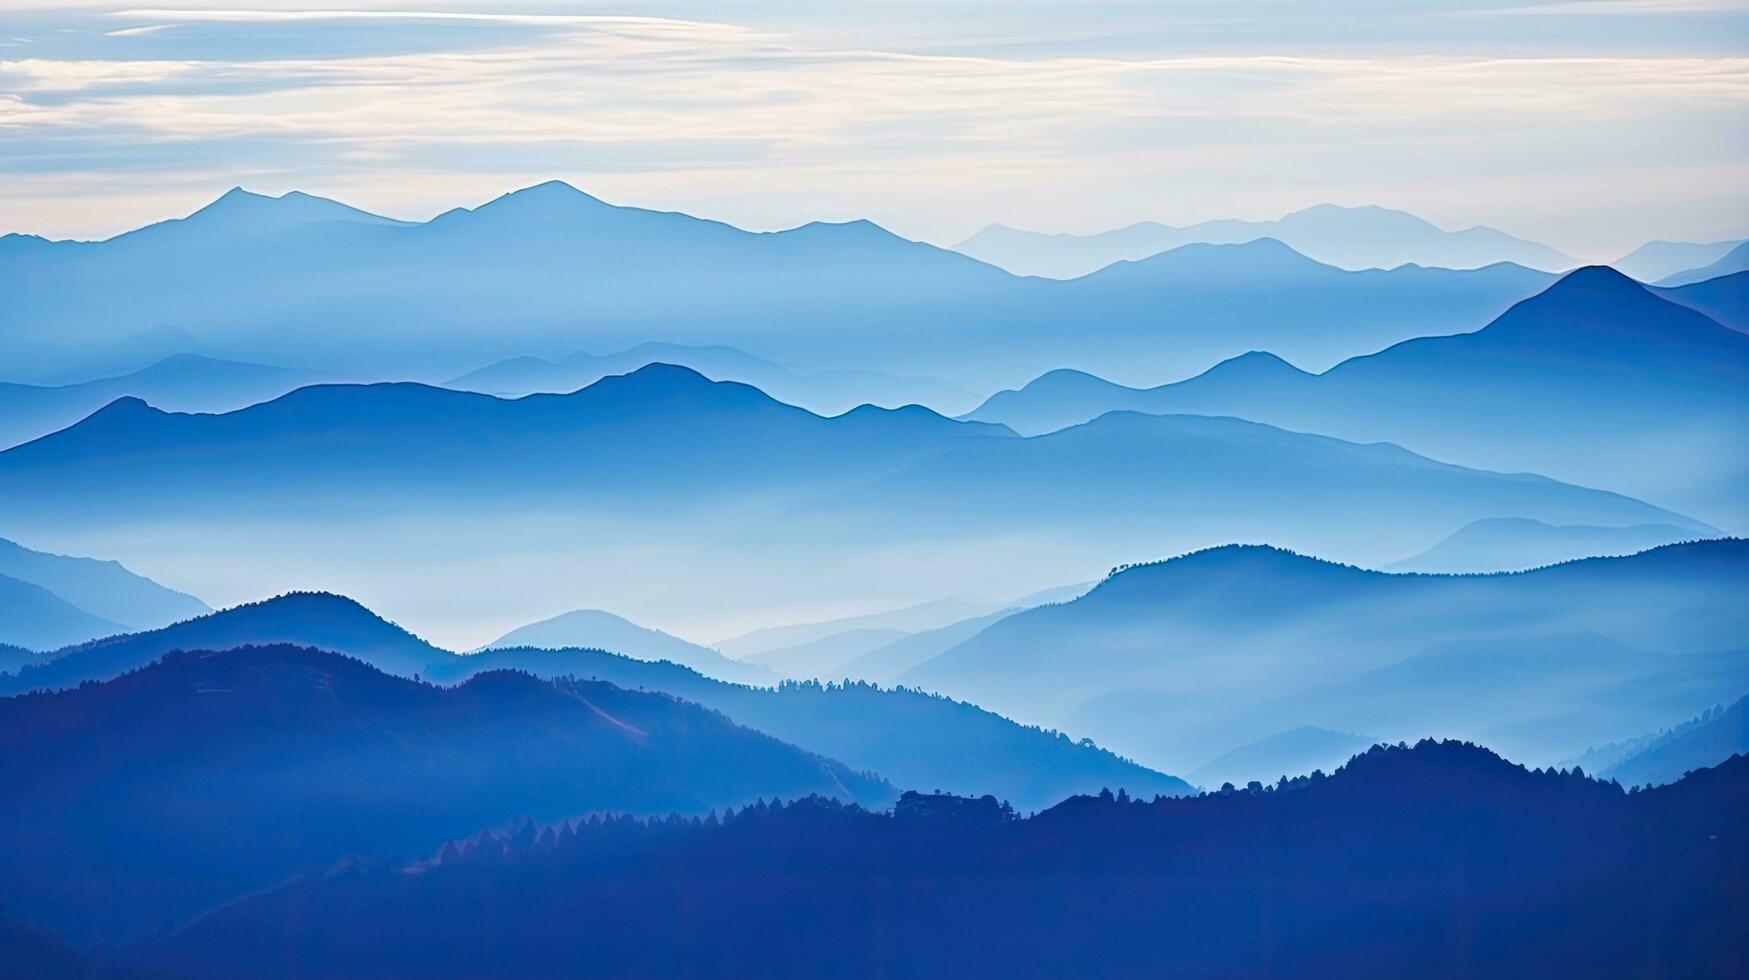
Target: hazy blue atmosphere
874, 490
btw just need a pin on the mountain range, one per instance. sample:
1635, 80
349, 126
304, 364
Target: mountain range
1731, 263
913, 739
1514, 544
1348, 238
1664, 757
600, 630
1656, 260
551, 268
1177, 662
820, 392
55, 600
1441, 858
749, 505
181, 383
239, 769
1596, 381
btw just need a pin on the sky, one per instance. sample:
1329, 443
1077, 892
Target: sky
1590, 125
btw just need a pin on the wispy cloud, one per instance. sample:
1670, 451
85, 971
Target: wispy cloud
784, 118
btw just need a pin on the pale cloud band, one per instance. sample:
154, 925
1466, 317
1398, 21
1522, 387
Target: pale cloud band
769, 123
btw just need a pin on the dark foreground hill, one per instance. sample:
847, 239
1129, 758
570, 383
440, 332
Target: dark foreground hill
916, 740
913, 739
1437, 861
207, 776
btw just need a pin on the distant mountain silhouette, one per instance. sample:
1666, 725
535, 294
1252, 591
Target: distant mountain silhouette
33, 617
915, 740
826, 657
593, 628
553, 268
1513, 544
911, 619
1440, 859
1725, 299
1297, 752
1177, 661
758, 507
1707, 740
311, 619
1732, 262
1655, 260
1596, 381
103, 588
821, 392
210, 775
1349, 238
182, 383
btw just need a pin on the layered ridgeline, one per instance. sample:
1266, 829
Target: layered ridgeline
552, 269
1178, 662
1666, 756
1438, 854
750, 508
1656, 260
1514, 544
1732, 262
914, 740
206, 776
182, 383
1349, 238
823, 392
597, 629
1597, 381
49, 601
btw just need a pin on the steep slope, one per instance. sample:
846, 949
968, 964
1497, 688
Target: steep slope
914, 740
181, 383
1513, 544
1732, 262
238, 769
102, 588
312, 619
32, 616
1178, 661
1440, 854
1350, 238
595, 629
1596, 381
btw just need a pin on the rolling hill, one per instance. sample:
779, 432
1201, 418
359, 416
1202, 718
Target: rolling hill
1732, 262
181, 383
239, 769
1439, 854
595, 629
1513, 544
1177, 661
913, 739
